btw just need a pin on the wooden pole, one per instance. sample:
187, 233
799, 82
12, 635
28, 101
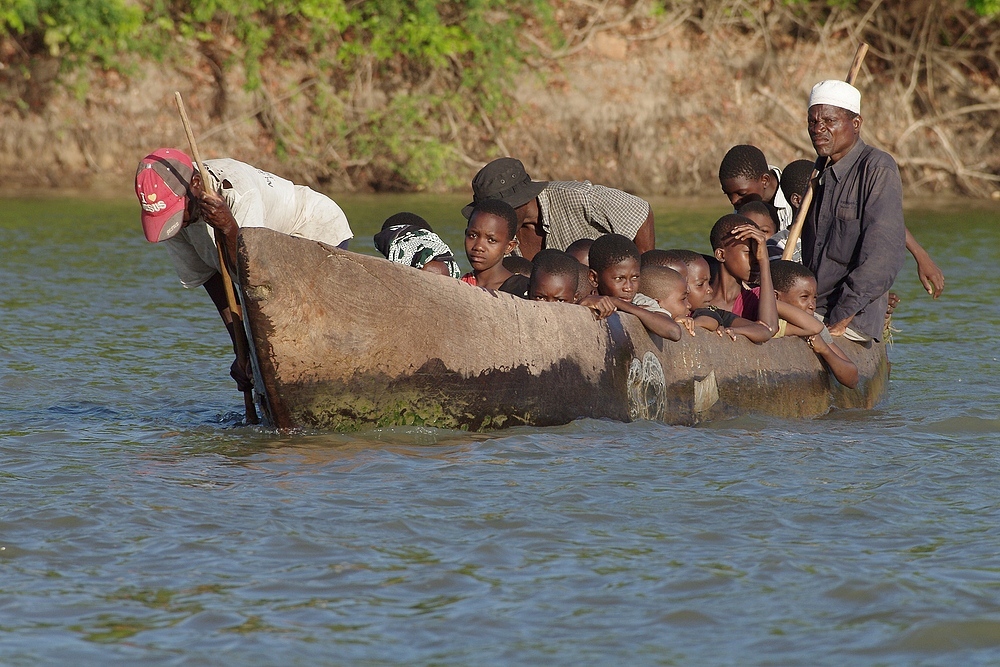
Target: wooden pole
234, 307
800, 218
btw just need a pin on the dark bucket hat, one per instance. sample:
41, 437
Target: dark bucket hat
506, 180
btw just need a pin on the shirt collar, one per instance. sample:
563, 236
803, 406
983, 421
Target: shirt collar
846, 163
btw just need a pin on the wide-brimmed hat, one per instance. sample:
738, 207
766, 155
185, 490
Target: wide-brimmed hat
161, 184
506, 180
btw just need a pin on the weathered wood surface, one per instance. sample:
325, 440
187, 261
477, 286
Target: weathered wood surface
347, 341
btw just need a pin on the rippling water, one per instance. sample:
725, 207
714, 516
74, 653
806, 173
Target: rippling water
142, 523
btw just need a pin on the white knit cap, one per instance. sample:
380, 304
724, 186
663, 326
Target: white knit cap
836, 93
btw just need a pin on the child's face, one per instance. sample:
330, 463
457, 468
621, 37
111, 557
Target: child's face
699, 284
677, 303
802, 294
737, 258
764, 222
620, 280
487, 241
741, 190
548, 287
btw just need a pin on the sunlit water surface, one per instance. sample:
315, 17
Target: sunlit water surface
142, 523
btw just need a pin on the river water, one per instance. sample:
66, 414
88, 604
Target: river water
142, 523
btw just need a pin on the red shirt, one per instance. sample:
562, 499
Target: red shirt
747, 303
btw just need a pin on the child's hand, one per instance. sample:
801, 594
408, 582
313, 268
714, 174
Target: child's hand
818, 345
726, 331
602, 306
687, 323
756, 237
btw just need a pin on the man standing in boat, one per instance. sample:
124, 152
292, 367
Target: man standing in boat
854, 238
553, 214
177, 211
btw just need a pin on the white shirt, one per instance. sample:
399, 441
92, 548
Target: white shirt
785, 215
257, 199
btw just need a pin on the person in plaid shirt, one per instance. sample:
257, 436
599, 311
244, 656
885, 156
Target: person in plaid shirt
554, 214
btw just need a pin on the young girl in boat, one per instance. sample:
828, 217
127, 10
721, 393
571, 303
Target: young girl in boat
740, 247
489, 237
700, 294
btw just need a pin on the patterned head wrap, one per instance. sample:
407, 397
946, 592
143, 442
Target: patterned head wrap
415, 246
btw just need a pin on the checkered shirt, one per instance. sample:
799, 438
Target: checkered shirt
571, 210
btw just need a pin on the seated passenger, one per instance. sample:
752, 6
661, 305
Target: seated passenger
585, 285
672, 259
580, 250
407, 239
614, 267
705, 315
668, 290
740, 247
517, 265
746, 176
555, 276
795, 182
795, 287
765, 216
489, 236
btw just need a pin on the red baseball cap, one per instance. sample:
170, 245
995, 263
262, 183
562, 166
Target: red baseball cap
161, 184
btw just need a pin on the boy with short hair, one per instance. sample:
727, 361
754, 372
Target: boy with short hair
740, 247
554, 277
580, 250
746, 176
489, 236
795, 181
517, 265
614, 266
672, 259
795, 289
763, 214
668, 290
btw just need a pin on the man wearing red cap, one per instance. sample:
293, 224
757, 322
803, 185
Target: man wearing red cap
177, 210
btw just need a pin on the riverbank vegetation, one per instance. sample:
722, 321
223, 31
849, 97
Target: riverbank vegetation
416, 94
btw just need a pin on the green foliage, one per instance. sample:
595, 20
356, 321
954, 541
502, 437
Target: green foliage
984, 7
75, 30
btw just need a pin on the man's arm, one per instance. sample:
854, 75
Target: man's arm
930, 276
240, 370
215, 212
645, 238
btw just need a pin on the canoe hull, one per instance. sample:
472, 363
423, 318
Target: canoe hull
347, 342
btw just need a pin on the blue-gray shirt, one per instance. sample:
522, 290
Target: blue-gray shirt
854, 238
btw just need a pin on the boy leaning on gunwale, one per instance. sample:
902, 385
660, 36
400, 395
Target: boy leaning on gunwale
795, 290
614, 267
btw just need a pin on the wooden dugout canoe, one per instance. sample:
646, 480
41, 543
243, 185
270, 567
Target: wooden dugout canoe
345, 341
